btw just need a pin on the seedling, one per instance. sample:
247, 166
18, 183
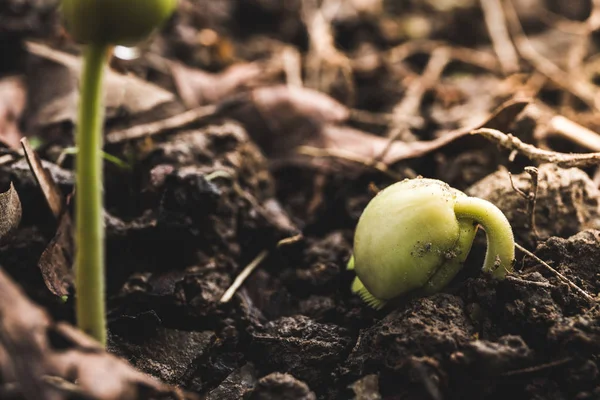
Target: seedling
99, 25
416, 234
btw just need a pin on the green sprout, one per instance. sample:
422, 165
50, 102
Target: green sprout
99, 24
416, 234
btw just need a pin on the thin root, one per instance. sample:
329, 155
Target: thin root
564, 160
558, 274
239, 280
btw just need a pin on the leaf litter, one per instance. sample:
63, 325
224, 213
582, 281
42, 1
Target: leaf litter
255, 139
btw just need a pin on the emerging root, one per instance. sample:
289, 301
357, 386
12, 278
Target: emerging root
366, 296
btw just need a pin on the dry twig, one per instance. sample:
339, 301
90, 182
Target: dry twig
239, 280
531, 197
520, 281
556, 273
503, 46
579, 49
541, 367
571, 83
564, 160
52, 194
324, 61
466, 55
411, 102
292, 65
154, 128
558, 125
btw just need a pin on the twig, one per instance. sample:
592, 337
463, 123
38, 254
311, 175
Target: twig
290, 240
531, 197
565, 160
496, 25
292, 65
7, 158
561, 23
570, 83
239, 280
516, 189
466, 55
579, 49
559, 125
516, 279
534, 173
153, 128
324, 60
50, 190
558, 274
538, 368
411, 102
566, 128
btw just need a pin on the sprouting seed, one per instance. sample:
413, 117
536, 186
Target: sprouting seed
416, 234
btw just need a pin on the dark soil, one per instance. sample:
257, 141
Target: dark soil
282, 172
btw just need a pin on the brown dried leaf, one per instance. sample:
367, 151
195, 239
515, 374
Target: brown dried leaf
10, 211
56, 89
283, 103
500, 119
282, 119
56, 260
197, 87
55, 361
362, 144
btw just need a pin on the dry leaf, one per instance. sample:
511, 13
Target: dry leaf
56, 89
282, 119
197, 87
54, 361
57, 259
500, 119
287, 102
10, 211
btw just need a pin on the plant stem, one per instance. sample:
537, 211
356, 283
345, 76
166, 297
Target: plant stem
500, 254
89, 230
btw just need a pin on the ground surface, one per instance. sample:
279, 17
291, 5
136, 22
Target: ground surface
257, 131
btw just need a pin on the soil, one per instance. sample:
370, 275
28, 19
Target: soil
256, 132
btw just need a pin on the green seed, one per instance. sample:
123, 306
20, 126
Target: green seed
416, 235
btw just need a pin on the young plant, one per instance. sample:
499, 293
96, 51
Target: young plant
416, 234
99, 25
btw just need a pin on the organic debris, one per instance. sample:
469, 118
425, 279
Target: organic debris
243, 142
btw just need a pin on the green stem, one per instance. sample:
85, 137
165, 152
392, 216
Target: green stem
89, 231
500, 254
